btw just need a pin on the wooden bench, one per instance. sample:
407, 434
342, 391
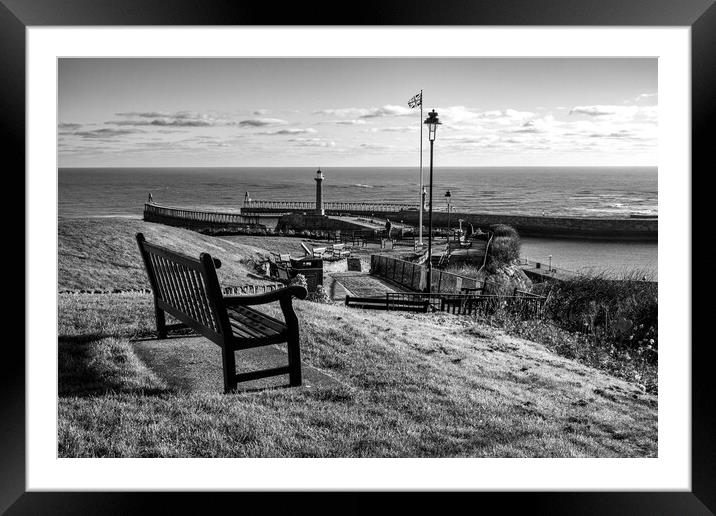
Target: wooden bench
188, 290
339, 251
385, 303
318, 252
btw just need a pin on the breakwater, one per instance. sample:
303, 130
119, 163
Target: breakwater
626, 229
630, 229
196, 219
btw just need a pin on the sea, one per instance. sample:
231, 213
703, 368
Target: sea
551, 191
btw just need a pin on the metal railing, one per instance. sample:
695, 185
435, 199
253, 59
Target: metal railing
524, 304
413, 276
154, 211
527, 307
335, 207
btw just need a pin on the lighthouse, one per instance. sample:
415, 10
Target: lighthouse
319, 193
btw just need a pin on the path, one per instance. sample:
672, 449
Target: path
193, 363
360, 284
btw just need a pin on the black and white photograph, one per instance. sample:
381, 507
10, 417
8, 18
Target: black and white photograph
275, 252
358, 257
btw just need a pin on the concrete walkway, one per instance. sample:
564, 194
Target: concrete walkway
361, 284
193, 363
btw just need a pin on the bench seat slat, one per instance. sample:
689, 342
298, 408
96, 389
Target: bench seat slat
248, 329
254, 315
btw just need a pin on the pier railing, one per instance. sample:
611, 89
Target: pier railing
154, 211
259, 206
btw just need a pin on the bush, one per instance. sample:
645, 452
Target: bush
503, 230
580, 347
619, 313
319, 296
503, 250
299, 280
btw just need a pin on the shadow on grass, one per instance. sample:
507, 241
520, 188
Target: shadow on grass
95, 364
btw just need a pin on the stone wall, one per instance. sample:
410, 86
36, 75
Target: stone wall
564, 227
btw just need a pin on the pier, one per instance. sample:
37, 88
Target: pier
326, 214
196, 219
329, 208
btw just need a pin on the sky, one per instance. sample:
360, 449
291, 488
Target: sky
333, 112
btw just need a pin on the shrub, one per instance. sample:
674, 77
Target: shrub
622, 313
503, 250
299, 280
503, 230
319, 296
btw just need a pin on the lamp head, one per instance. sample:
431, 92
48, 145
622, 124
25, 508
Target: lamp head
432, 122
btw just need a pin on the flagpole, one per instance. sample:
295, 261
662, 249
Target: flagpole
420, 193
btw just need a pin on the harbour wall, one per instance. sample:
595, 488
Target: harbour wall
631, 229
627, 229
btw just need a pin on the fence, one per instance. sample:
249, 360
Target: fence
526, 306
414, 276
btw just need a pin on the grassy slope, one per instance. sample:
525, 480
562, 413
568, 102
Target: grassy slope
418, 385
101, 254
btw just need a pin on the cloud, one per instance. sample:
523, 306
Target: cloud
145, 114
376, 146
394, 129
617, 112
105, 133
63, 125
388, 110
261, 122
308, 130
462, 114
373, 112
349, 122
190, 119
312, 142
595, 110
647, 97
177, 119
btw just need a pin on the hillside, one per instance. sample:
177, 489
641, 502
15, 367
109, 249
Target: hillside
410, 385
102, 254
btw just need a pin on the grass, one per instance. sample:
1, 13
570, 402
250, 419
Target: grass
605, 320
413, 385
101, 254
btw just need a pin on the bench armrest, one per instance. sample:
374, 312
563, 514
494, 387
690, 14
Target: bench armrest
268, 297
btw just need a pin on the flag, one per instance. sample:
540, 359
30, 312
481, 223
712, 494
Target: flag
416, 101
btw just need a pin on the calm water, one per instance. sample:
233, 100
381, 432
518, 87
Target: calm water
572, 191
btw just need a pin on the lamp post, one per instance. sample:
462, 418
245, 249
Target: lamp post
422, 210
432, 122
448, 195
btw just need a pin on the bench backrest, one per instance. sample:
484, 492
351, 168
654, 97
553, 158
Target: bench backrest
185, 287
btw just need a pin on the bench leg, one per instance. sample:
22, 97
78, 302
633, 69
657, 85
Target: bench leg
294, 361
229, 366
161, 323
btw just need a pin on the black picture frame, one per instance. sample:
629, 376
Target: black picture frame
700, 15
